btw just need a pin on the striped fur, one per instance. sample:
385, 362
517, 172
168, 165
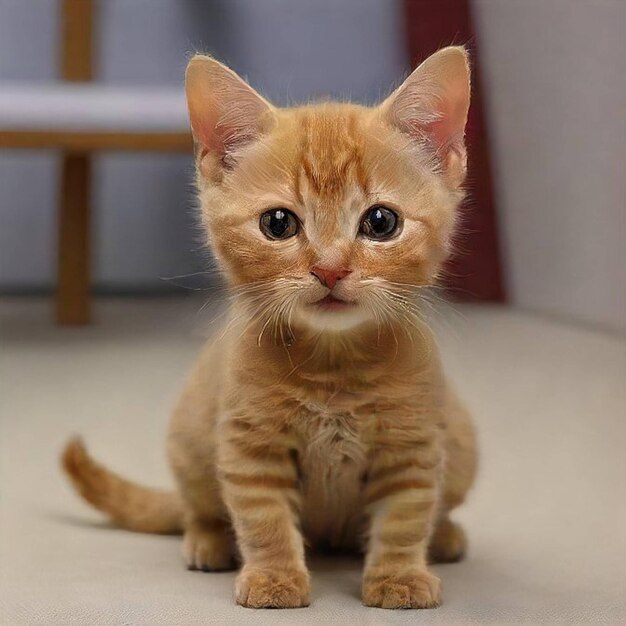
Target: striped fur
300, 426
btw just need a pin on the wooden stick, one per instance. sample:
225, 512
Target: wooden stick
73, 305
74, 258
77, 40
79, 141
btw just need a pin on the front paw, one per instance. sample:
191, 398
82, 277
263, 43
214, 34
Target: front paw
272, 589
415, 589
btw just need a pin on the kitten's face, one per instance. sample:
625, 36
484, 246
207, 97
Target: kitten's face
331, 215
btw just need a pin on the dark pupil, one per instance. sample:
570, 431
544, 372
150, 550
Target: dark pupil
381, 221
278, 223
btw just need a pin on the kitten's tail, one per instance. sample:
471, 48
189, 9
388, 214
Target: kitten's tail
129, 505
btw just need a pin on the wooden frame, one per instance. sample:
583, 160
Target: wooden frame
77, 22
74, 255
76, 141
74, 217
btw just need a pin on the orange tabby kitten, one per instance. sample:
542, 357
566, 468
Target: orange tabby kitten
320, 414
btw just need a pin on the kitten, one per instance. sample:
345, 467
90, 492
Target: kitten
319, 415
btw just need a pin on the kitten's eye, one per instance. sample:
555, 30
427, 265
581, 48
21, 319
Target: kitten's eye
379, 222
279, 224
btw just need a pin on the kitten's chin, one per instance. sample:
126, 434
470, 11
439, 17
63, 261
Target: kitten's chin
333, 319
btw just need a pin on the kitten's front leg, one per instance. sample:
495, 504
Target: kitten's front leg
401, 494
261, 489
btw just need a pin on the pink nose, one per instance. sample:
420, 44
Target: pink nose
327, 277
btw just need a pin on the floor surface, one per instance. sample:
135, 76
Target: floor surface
546, 521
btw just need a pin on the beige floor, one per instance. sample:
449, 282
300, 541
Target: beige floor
546, 520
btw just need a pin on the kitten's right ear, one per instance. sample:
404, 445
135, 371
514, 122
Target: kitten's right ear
431, 106
225, 113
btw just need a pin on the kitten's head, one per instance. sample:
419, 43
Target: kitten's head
331, 215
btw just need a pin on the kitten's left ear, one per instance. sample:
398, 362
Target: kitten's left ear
226, 114
432, 105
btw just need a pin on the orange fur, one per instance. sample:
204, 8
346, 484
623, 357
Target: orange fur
300, 422
131, 506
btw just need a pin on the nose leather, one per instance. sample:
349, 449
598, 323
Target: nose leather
329, 277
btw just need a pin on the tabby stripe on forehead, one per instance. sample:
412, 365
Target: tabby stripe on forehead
362, 175
305, 164
326, 166
312, 177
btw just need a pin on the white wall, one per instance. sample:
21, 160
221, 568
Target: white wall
555, 79
144, 224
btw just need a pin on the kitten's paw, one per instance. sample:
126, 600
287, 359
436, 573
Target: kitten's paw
418, 589
448, 543
272, 589
208, 547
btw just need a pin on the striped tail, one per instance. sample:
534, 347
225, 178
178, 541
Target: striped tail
127, 504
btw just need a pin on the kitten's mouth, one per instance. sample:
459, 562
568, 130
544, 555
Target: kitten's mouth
331, 303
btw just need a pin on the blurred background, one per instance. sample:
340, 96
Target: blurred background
544, 227
104, 289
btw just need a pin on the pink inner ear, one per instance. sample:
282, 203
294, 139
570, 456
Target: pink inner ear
433, 103
205, 128
436, 114
447, 131
225, 112
443, 134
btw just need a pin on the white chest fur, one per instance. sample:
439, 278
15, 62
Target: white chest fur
332, 462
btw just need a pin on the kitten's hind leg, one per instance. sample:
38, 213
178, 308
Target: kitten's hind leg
208, 545
448, 542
